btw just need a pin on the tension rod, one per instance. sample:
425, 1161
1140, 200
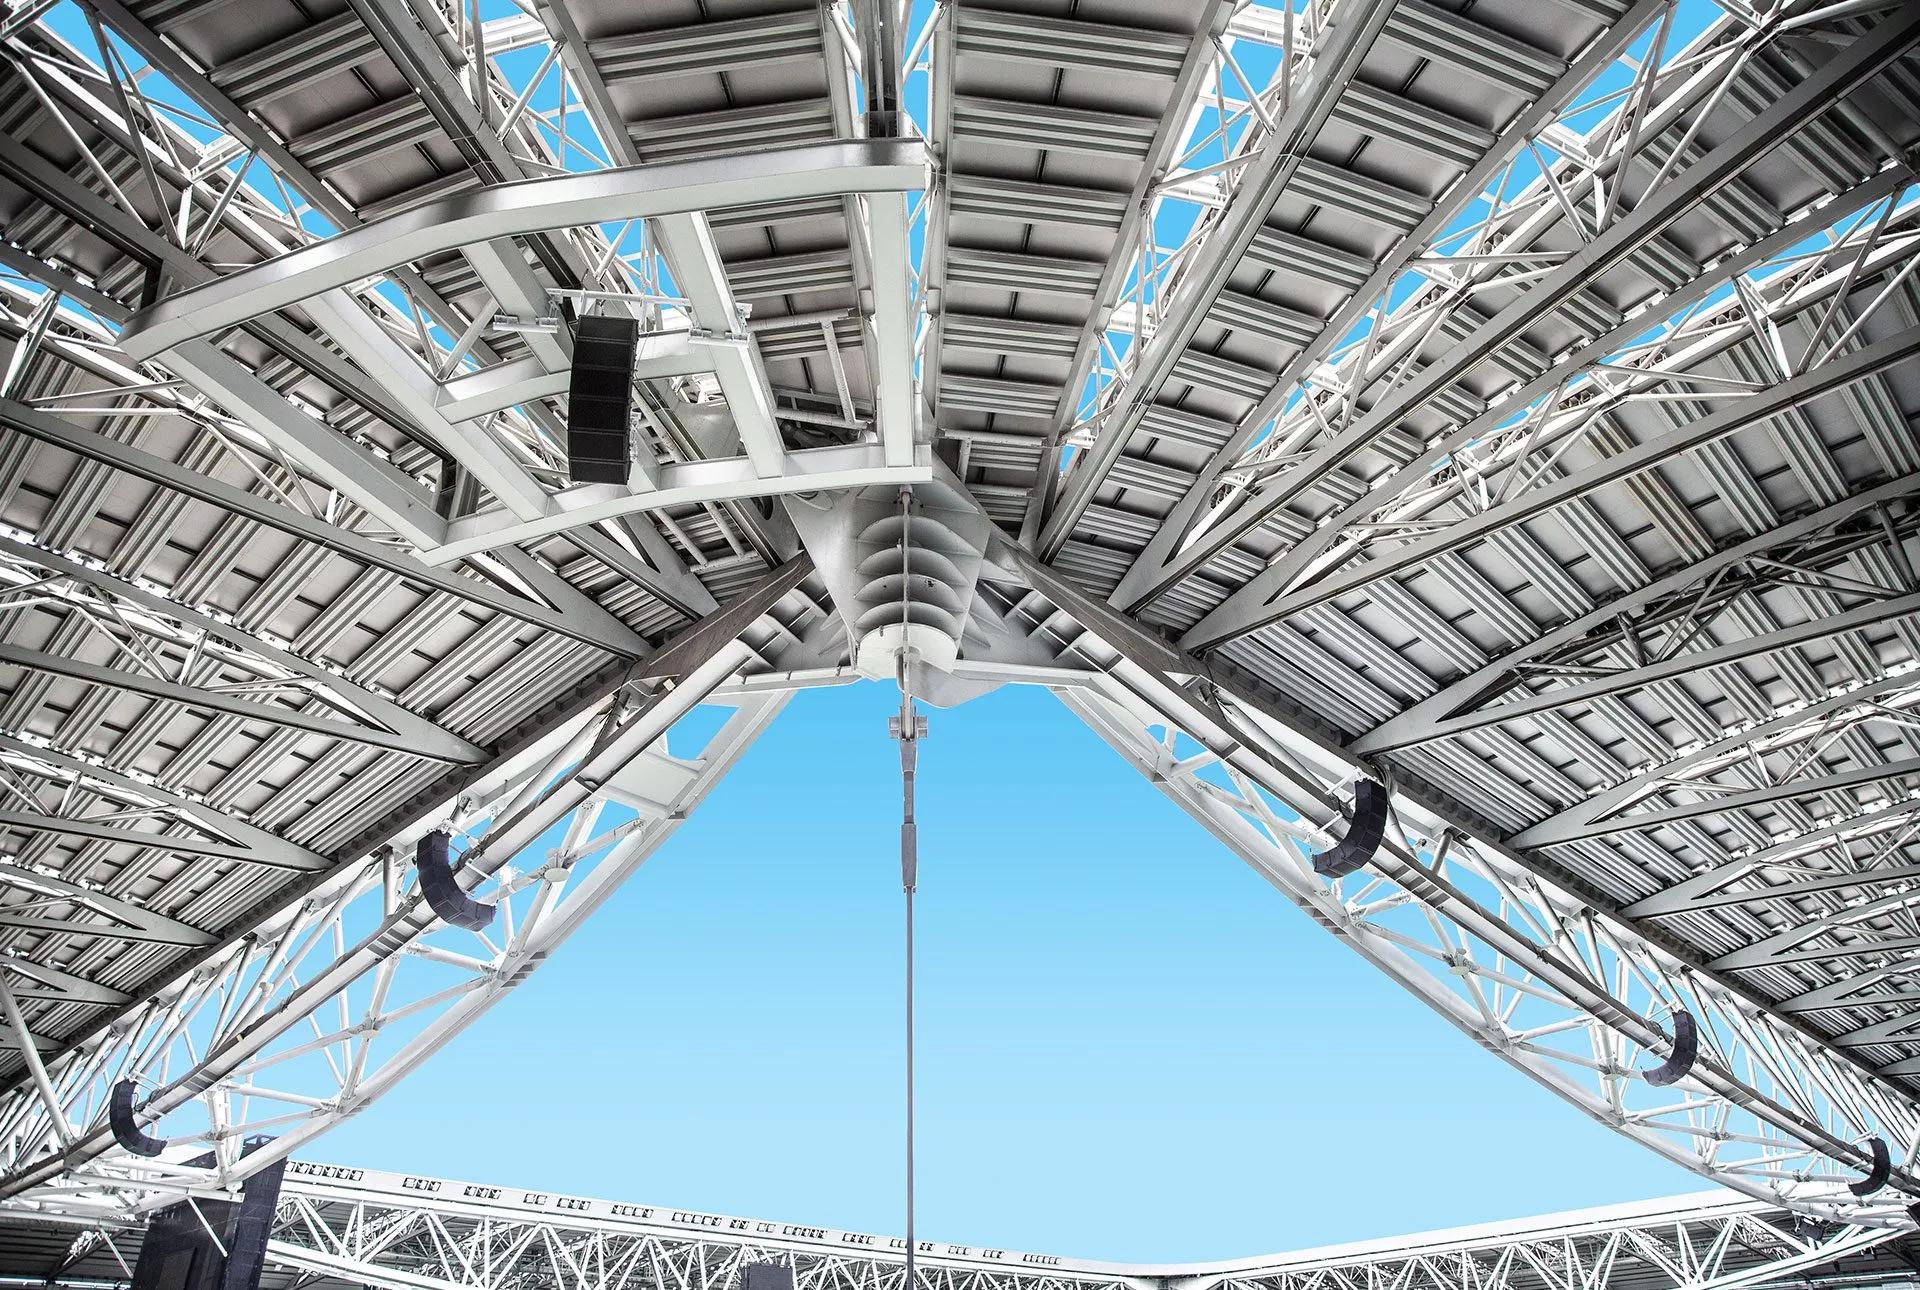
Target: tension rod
908, 726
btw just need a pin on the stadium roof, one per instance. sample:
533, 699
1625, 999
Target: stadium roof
1507, 402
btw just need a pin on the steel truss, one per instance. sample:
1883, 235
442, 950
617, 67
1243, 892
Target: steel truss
1576, 1000
1418, 331
202, 299
323, 1006
176, 332
405, 1232
1515, 460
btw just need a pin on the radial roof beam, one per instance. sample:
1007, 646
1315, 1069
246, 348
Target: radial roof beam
1251, 510
464, 114
482, 453
247, 842
1254, 605
399, 504
415, 740
1412, 725
1713, 890
1186, 107
1850, 707
687, 242
1862, 59
340, 690
1352, 30
119, 919
1555, 831
1688, 663
1489, 56
143, 245
583, 621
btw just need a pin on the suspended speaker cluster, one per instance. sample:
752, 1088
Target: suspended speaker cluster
433, 858
1364, 835
600, 400
1877, 1175
126, 1129
207, 1244
1686, 1051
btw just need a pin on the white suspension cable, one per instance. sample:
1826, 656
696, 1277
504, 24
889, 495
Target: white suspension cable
907, 727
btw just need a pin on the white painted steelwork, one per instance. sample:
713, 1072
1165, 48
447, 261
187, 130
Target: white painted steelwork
1512, 404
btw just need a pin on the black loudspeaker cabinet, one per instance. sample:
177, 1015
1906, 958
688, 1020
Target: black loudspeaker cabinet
179, 1254
766, 1276
600, 399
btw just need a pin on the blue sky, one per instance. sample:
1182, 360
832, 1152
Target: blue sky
1131, 1047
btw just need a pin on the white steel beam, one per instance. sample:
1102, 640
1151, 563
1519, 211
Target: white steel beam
398, 371
415, 739
687, 243
529, 206
658, 356
219, 834
891, 325
805, 470
1862, 59
1257, 602
1351, 32
398, 503
136, 607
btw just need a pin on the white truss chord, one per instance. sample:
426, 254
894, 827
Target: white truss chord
535, 205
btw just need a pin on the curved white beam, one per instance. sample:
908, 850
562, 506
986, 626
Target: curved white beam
839, 168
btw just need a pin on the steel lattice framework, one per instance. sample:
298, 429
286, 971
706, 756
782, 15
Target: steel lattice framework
344, 1227
1509, 403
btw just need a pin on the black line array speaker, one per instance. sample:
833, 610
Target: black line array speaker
600, 399
766, 1276
179, 1253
